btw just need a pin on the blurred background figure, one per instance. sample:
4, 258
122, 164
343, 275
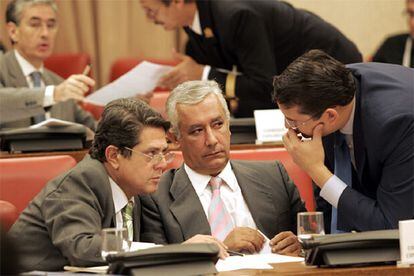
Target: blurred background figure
398, 49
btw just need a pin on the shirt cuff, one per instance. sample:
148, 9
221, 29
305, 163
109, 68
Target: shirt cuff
49, 96
332, 190
206, 71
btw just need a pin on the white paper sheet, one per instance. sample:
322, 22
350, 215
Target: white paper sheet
142, 245
92, 269
140, 80
53, 122
237, 262
266, 246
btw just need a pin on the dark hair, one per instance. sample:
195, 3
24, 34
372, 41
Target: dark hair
121, 124
15, 8
168, 2
314, 82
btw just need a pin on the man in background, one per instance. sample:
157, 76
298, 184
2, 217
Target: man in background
237, 202
242, 44
361, 120
399, 49
32, 26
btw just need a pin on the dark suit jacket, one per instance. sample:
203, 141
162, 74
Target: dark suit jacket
174, 213
392, 50
382, 190
31, 100
62, 225
261, 38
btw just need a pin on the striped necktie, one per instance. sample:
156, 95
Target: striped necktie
343, 171
127, 219
37, 82
218, 217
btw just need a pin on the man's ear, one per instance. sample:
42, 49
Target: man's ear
112, 156
171, 136
331, 115
12, 31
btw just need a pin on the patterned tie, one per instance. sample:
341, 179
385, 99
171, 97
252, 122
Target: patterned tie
127, 219
218, 217
343, 171
37, 82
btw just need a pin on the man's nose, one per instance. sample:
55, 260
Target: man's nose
211, 138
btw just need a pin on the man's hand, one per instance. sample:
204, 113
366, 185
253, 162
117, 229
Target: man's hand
309, 154
285, 243
186, 70
73, 87
244, 239
210, 239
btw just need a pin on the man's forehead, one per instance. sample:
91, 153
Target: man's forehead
38, 11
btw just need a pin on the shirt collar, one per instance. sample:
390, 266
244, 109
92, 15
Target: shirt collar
26, 66
196, 26
200, 181
348, 128
118, 196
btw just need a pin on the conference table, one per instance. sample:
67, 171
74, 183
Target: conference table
299, 268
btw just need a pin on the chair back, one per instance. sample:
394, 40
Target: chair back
8, 215
302, 181
66, 64
21, 179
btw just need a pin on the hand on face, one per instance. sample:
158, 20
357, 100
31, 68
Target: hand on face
244, 239
285, 243
186, 70
210, 239
73, 87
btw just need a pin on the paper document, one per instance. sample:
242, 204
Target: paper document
93, 269
142, 245
266, 246
52, 122
237, 262
140, 80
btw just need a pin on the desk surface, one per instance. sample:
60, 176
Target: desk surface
301, 269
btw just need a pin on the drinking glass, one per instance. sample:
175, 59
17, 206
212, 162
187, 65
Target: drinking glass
310, 224
114, 240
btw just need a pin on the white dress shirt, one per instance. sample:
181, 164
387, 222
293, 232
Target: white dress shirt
120, 201
334, 187
230, 193
27, 69
196, 27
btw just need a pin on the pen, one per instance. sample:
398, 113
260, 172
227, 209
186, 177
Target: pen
86, 70
234, 253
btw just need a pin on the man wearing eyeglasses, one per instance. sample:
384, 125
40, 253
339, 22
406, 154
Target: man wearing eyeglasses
242, 44
399, 49
62, 225
360, 119
237, 202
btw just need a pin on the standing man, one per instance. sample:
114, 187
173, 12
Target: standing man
211, 195
62, 225
361, 120
242, 44
32, 26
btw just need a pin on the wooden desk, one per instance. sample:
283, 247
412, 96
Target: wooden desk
79, 154
301, 269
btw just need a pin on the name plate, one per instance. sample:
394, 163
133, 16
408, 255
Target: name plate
270, 125
406, 228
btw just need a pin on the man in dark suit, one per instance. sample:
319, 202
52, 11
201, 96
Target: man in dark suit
242, 44
361, 120
32, 27
399, 49
252, 195
62, 225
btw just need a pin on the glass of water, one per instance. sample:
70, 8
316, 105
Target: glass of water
310, 224
114, 240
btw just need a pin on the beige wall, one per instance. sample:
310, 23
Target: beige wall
365, 22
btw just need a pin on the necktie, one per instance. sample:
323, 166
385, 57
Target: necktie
127, 219
343, 171
37, 78
218, 217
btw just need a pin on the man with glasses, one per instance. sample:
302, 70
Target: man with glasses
399, 49
26, 86
236, 202
62, 225
360, 119
242, 44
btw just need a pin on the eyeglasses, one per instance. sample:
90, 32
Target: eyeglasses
296, 124
156, 158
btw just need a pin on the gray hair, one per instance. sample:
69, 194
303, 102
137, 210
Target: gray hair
15, 8
190, 93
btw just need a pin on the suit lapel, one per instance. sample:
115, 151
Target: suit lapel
187, 208
358, 136
258, 199
137, 218
17, 78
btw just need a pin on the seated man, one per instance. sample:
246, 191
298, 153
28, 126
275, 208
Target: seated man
32, 27
210, 195
361, 120
62, 224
